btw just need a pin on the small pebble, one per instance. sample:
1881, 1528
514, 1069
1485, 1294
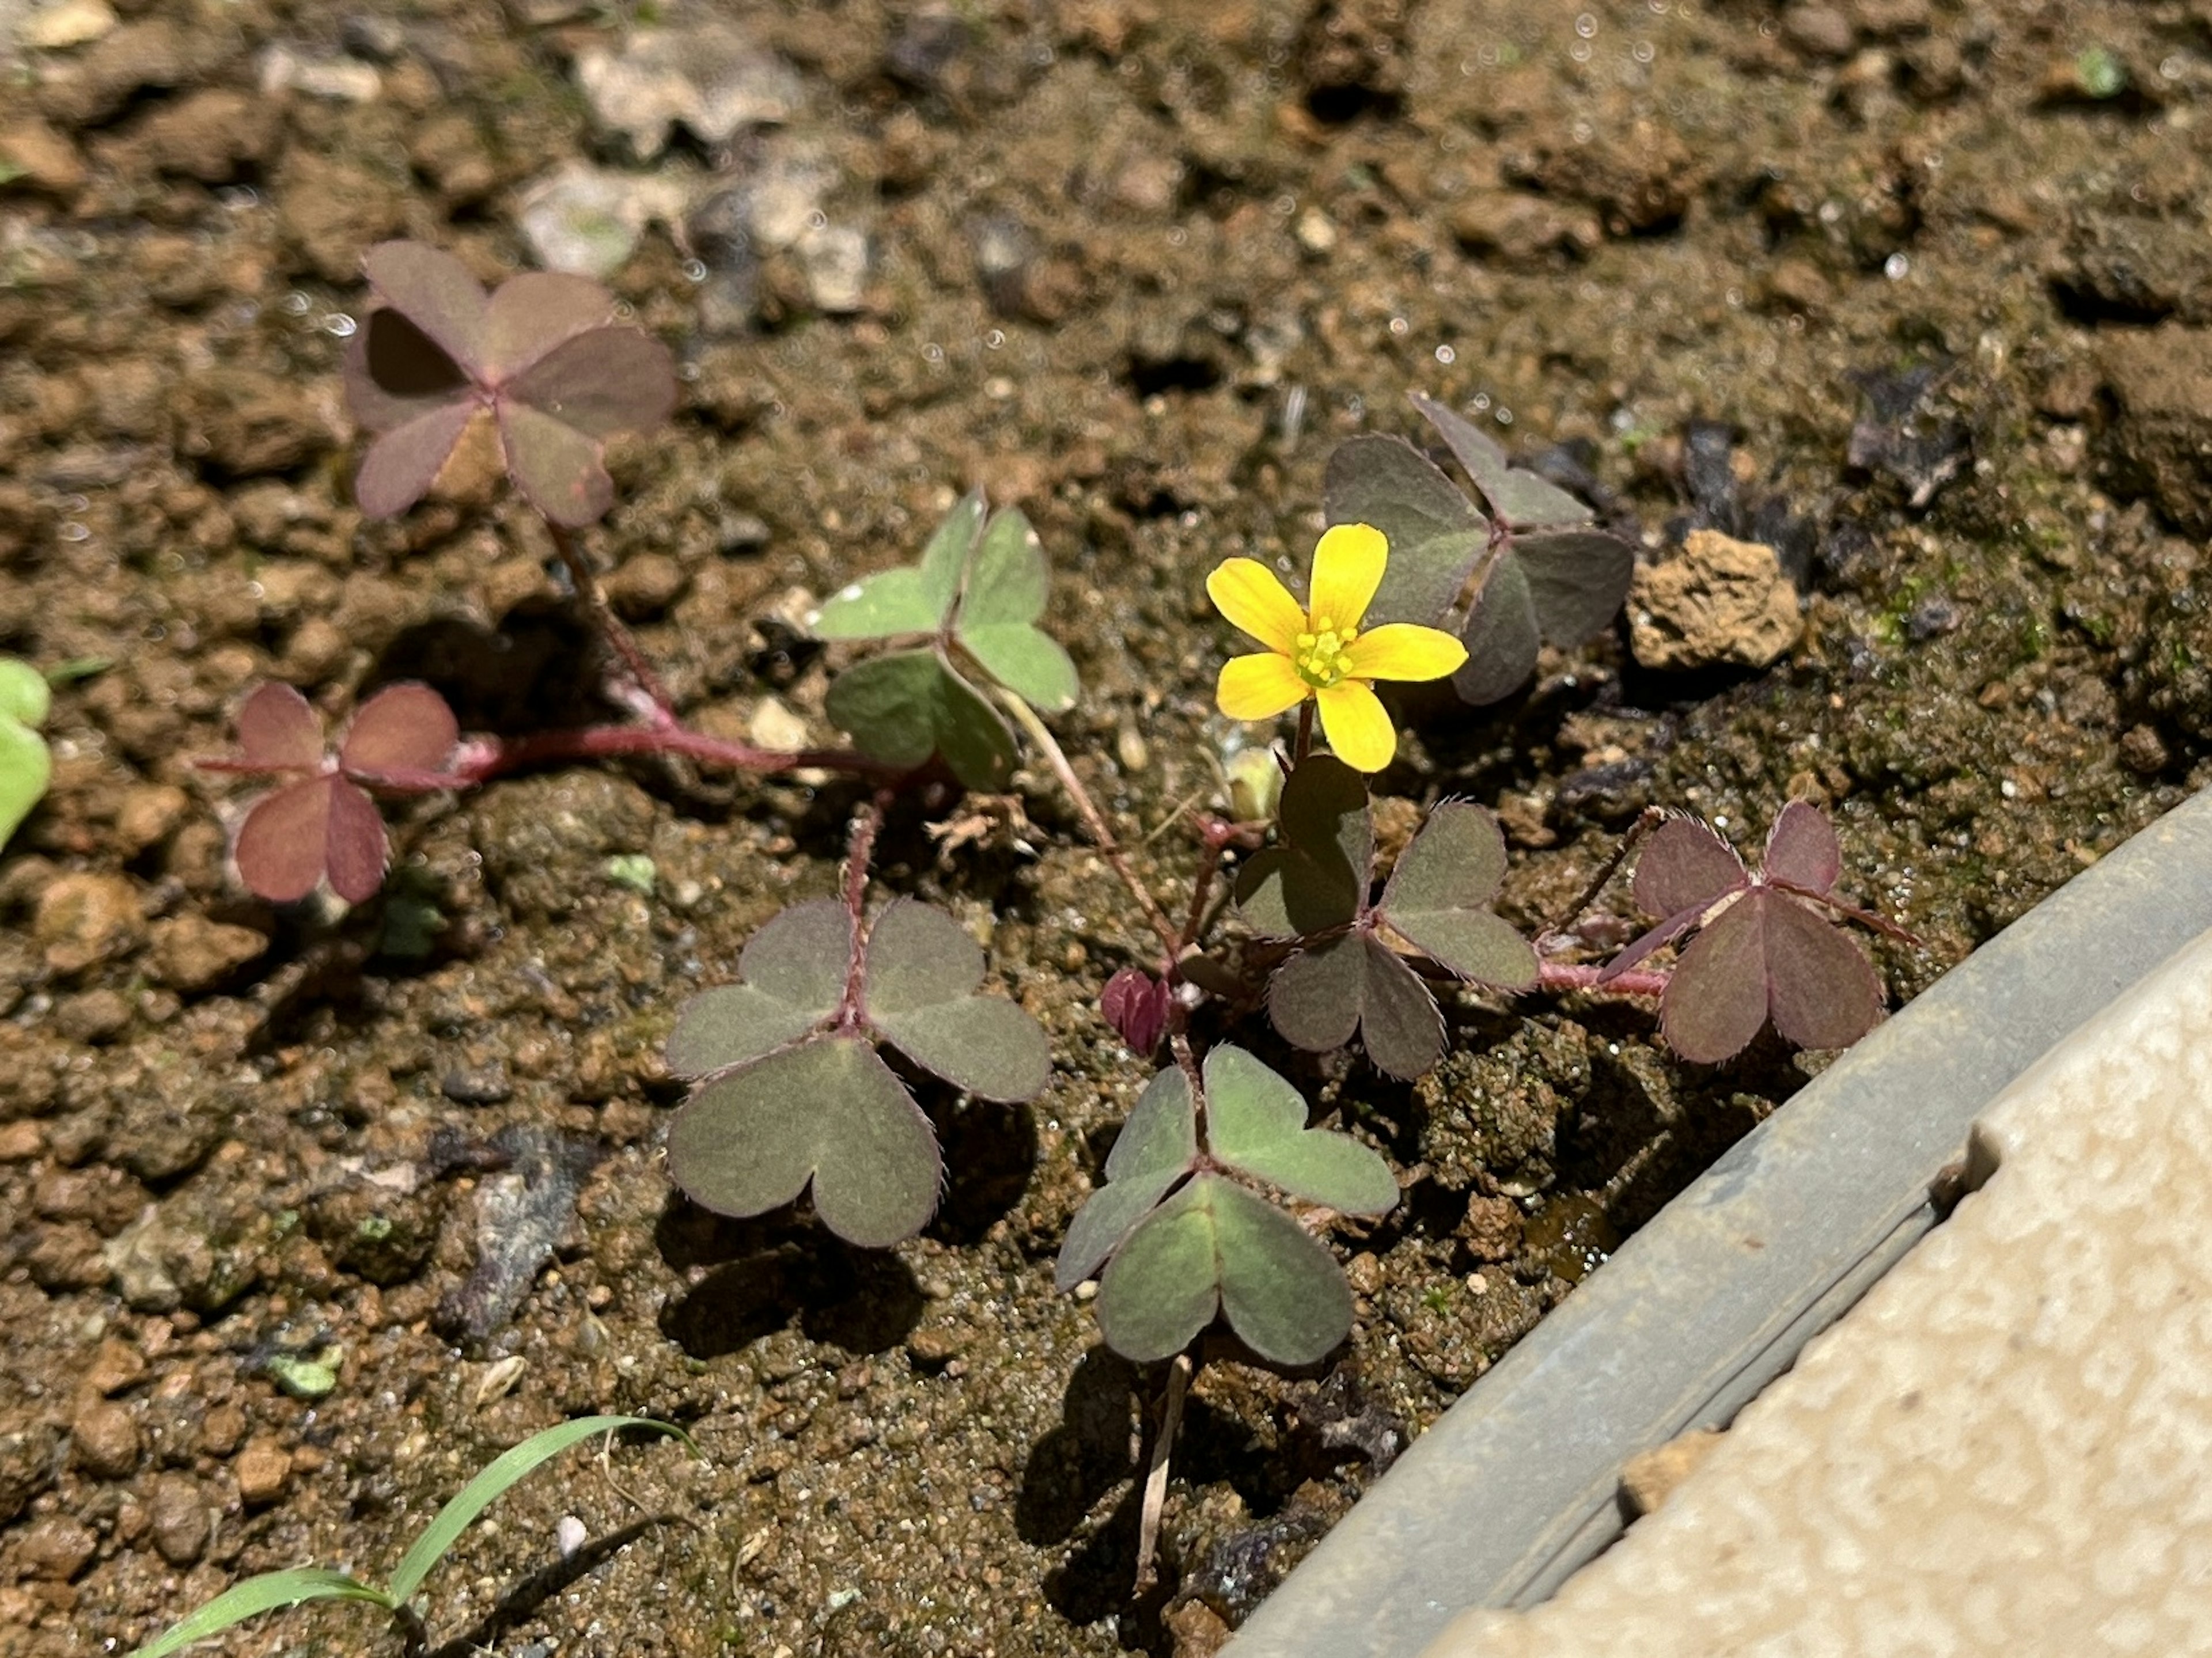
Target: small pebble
56, 1549
104, 1440
264, 1468
116, 1367
180, 1518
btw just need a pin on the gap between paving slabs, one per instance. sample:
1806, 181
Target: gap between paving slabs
1516, 1485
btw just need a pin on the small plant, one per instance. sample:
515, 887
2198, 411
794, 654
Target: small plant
1184, 1230
543, 358
975, 598
26, 765
1549, 578
323, 823
1764, 948
1349, 971
1218, 1186
273, 1590
790, 1087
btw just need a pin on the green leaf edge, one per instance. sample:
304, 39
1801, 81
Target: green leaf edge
271, 1591
492, 1483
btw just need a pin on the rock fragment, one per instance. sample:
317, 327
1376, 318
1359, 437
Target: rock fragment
1720, 602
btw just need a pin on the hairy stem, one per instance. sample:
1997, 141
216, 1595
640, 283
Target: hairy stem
1095, 821
1562, 975
1305, 732
480, 762
868, 823
662, 712
1646, 820
1156, 1476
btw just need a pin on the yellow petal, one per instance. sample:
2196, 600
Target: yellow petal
1399, 650
1246, 592
1358, 729
1260, 686
1347, 568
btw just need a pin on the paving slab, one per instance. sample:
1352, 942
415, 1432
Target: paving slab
2006, 1446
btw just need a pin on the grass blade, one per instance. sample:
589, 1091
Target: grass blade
489, 1485
267, 1593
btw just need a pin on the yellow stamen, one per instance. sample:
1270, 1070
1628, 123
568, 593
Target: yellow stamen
1321, 655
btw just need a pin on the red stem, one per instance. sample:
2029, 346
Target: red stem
1563, 975
481, 759
593, 598
858, 850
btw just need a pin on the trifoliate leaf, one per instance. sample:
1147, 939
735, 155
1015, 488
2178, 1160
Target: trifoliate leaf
1156, 1147
1255, 1123
1399, 1022
1435, 533
1353, 983
1216, 1246
793, 971
911, 599
1317, 880
1501, 635
1000, 609
905, 706
828, 1112
1578, 581
921, 978
404, 727
1519, 497
1440, 895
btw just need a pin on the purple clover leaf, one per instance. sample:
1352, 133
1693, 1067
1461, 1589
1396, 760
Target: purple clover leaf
323, 823
1764, 947
542, 358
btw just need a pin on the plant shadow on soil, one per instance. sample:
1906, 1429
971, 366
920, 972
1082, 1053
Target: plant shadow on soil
524, 1598
757, 1275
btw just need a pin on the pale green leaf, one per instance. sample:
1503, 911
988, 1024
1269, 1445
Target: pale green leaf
492, 1483
922, 972
1256, 1122
829, 1112
1156, 1147
268, 1592
1214, 1246
881, 606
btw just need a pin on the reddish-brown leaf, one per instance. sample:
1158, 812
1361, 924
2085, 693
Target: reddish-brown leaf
1802, 848
1715, 1000
435, 292
404, 727
1685, 866
554, 465
537, 311
356, 850
282, 845
1821, 988
402, 463
276, 727
394, 372
607, 380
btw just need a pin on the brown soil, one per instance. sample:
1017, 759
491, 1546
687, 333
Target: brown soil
1137, 266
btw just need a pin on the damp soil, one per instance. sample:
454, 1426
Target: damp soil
305, 1215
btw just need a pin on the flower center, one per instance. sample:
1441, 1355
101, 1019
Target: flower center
1321, 657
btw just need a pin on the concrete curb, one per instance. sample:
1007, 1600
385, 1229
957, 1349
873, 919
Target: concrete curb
1516, 1485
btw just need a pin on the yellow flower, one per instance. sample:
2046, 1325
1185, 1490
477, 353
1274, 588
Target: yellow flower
1320, 651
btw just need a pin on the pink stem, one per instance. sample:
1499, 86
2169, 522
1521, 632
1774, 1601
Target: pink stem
660, 712
482, 760
1563, 975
